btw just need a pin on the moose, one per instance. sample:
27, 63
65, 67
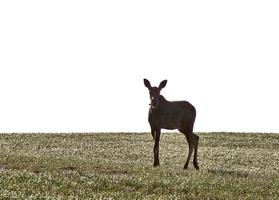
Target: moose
170, 115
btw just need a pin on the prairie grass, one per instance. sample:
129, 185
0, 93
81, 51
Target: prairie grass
119, 166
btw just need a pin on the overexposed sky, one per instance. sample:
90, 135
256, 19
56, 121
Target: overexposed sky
76, 66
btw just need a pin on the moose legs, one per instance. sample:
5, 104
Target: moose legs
193, 141
156, 136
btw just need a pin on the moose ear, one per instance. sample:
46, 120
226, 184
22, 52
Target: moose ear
163, 84
147, 83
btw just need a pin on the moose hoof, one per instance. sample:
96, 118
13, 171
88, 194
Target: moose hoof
197, 167
156, 165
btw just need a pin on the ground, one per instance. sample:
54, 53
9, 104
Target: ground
119, 166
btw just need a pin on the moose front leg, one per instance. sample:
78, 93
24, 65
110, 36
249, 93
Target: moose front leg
156, 147
153, 133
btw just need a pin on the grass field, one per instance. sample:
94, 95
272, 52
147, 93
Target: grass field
119, 166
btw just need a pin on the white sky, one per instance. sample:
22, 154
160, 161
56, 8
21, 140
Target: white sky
75, 66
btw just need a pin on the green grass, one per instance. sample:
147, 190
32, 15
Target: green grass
119, 166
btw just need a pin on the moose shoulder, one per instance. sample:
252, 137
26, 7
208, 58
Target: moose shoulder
164, 114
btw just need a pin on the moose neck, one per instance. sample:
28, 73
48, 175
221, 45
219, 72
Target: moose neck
162, 101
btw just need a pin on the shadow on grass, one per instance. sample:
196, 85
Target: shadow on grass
226, 172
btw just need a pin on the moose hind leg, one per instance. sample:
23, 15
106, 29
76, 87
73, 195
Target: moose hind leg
189, 138
196, 143
191, 148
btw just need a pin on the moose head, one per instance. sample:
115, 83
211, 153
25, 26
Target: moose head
154, 92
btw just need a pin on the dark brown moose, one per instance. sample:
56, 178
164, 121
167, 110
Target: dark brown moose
171, 115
